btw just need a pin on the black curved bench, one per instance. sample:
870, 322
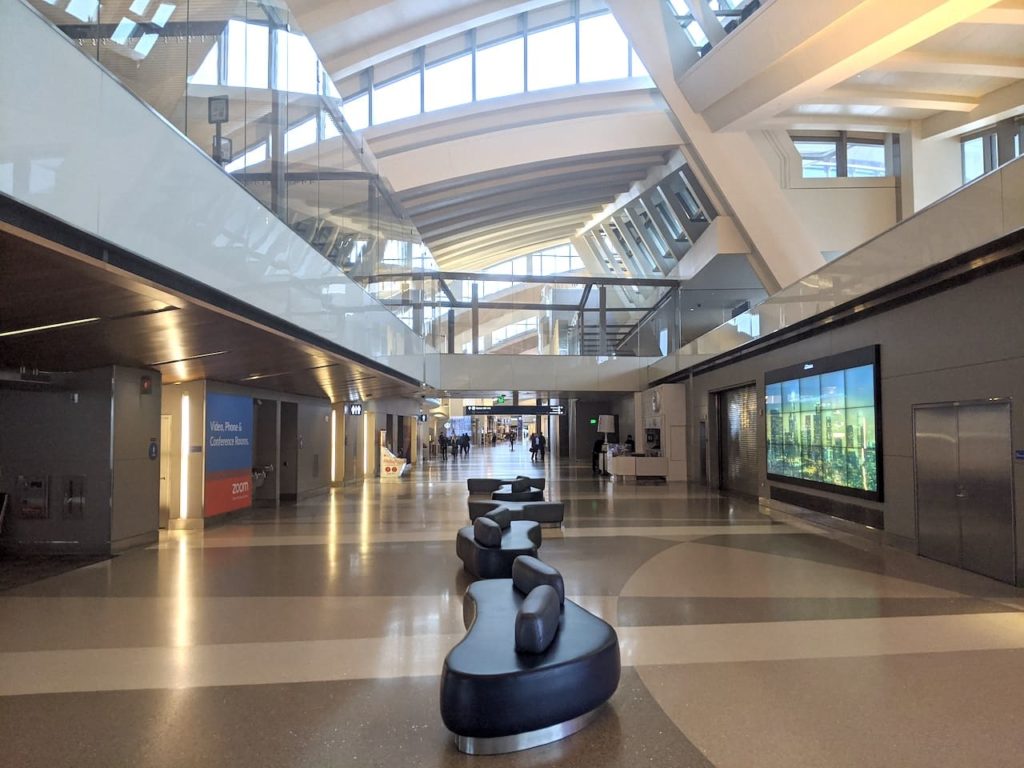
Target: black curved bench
547, 513
488, 548
481, 485
518, 496
501, 690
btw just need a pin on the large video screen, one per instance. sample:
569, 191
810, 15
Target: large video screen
821, 423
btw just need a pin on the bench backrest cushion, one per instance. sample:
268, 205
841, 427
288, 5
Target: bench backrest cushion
502, 516
535, 482
537, 620
520, 485
528, 573
487, 532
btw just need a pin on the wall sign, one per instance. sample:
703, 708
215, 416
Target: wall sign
513, 410
228, 453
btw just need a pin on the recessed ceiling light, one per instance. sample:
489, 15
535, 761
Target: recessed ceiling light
264, 376
50, 327
186, 359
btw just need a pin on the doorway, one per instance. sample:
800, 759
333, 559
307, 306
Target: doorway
353, 436
289, 476
165, 470
964, 486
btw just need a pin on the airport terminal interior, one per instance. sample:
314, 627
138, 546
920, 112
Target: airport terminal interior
512, 383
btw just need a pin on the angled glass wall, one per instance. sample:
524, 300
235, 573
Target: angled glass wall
242, 82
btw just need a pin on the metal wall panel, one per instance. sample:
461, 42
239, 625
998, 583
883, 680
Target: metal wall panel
935, 456
986, 489
738, 440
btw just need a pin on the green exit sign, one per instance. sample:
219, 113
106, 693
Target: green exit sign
593, 421
501, 399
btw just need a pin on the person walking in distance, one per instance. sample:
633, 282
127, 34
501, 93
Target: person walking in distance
541, 445
511, 440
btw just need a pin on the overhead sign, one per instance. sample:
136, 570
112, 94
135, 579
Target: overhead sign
354, 409
228, 453
513, 410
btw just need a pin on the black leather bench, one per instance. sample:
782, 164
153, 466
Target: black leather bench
483, 485
488, 548
547, 513
529, 671
518, 496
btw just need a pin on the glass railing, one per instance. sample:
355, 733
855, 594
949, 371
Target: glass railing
556, 314
242, 82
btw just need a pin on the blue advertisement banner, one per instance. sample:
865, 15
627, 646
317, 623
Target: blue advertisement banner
228, 454
228, 433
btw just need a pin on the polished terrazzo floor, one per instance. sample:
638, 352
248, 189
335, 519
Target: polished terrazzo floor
313, 635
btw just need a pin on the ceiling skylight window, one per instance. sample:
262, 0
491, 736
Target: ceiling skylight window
297, 64
84, 10
499, 69
551, 57
399, 98
302, 135
146, 43
163, 14
448, 84
604, 50
357, 112
124, 29
248, 53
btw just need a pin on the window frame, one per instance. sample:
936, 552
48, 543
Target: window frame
842, 141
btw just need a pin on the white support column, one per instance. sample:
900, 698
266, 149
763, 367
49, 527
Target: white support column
931, 169
784, 251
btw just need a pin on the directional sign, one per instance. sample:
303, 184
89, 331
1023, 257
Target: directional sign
514, 410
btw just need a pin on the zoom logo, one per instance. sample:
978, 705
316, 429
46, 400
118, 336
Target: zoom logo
239, 488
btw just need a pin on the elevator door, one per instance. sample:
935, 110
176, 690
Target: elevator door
738, 440
963, 470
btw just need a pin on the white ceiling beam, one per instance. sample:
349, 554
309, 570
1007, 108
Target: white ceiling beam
467, 230
730, 165
953, 64
866, 123
532, 108
995, 106
506, 149
872, 97
351, 35
1007, 12
556, 192
752, 75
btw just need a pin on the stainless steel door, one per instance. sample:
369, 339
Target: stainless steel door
935, 454
986, 490
964, 479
